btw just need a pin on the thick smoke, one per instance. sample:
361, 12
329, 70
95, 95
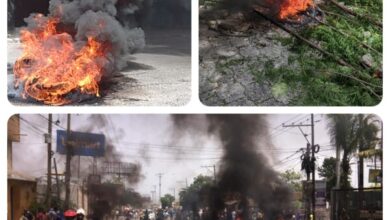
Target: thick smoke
97, 19
107, 195
243, 170
111, 153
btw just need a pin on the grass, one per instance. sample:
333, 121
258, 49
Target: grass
321, 79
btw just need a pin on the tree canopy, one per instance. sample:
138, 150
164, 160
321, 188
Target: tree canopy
167, 200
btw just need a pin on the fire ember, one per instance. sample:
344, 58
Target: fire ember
290, 9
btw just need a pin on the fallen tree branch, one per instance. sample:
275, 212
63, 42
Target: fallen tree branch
363, 83
345, 34
351, 12
298, 36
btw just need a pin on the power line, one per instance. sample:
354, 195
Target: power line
284, 129
54, 123
33, 127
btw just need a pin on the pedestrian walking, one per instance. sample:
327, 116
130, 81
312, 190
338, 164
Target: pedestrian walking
41, 215
27, 215
51, 214
80, 214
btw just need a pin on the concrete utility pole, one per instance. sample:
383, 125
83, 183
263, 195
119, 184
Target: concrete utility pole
312, 159
159, 185
57, 179
67, 165
313, 151
49, 156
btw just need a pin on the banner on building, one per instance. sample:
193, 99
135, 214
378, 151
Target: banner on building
81, 144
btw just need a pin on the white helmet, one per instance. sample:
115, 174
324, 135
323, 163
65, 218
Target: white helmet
80, 211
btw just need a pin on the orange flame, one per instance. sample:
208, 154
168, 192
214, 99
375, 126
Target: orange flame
290, 8
52, 66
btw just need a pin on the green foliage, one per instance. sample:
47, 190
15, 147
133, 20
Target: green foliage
293, 179
351, 133
328, 171
36, 206
167, 200
322, 80
196, 194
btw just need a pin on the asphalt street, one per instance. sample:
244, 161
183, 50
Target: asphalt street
159, 75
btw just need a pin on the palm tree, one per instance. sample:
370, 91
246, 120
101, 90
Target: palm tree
352, 134
340, 130
366, 140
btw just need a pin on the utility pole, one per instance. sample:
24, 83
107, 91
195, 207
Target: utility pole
155, 193
49, 155
82, 194
67, 165
159, 184
307, 158
78, 182
382, 155
57, 180
174, 192
152, 193
314, 149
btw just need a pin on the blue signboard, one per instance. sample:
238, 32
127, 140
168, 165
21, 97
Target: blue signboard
82, 144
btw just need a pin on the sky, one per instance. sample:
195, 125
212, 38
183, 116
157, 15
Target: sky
148, 140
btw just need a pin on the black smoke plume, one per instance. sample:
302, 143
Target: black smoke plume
244, 171
109, 194
111, 153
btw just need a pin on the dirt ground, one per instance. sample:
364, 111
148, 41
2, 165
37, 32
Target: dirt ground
232, 49
159, 75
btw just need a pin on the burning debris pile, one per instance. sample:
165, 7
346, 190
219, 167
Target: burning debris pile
67, 53
244, 170
281, 9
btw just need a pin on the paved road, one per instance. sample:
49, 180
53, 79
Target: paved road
160, 75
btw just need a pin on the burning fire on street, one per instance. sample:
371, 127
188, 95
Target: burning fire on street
66, 54
52, 66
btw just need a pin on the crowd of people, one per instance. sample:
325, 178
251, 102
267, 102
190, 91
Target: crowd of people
147, 214
54, 214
